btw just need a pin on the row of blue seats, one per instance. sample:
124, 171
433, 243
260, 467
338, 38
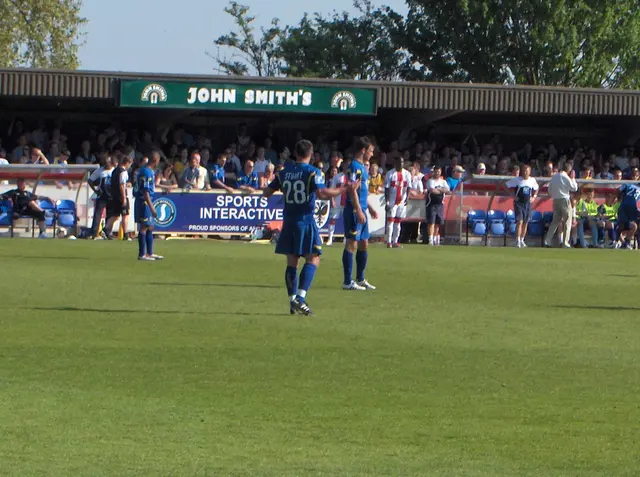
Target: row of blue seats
496, 223
61, 213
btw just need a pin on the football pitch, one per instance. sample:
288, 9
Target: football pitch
464, 362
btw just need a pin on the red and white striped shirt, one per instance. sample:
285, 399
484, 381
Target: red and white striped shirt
398, 184
339, 180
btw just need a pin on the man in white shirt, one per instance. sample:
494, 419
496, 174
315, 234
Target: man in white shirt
437, 188
560, 188
396, 190
525, 190
261, 162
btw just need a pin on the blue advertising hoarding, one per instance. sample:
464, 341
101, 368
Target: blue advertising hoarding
200, 213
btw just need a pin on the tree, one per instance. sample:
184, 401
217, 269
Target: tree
40, 33
342, 46
259, 53
591, 43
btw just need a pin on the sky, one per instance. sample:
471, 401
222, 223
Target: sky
172, 36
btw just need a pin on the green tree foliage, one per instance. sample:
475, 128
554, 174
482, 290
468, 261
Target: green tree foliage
591, 43
253, 54
343, 46
40, 33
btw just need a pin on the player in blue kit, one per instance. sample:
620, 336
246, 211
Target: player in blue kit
144, 211
628, 214
300, 184
356, 224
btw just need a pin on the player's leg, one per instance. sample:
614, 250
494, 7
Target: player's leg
138, 215
351, 236
291, 279
399, 215
362, 256
125, 221
390, 227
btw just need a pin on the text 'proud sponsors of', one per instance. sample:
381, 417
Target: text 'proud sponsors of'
233, 209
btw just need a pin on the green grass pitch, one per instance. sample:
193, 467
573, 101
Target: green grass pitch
464, 362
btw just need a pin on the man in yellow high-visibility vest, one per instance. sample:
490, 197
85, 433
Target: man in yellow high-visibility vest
587, 210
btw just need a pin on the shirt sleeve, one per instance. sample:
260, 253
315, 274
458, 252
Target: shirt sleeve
534, 184
275, 183
95, 175
318, 180
387, 180
124, 177
513, 183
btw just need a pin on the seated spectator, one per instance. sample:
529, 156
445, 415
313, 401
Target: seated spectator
24, 204
183, 162
85, 156
456, 177
376, 181
617, 174
248, 182
605, 171
587, 210
203, 177
37, 157
191, 174
515, 170
166, 179
635, 174
218, 175
608, 219
269, 153
260, 164
481, 169
268, 176
425, 163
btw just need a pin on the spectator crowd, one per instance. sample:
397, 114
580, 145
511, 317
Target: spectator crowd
247, 160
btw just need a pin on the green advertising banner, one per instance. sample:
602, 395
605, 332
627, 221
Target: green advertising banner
230, 97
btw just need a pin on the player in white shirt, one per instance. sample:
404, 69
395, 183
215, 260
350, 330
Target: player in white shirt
338, 203
397, 185
525, 191
437, 188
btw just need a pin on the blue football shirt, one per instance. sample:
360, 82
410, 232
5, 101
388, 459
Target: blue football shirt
145, 181
358, 171
630, 194
298, 182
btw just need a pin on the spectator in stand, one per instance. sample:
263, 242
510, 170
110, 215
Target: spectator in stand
617, 175
635, 174
503, 167
492, 166
608, 215
85, 156
515, 170
456, 177
436, 190
622, 161
376, 181
605, 171
525, 190
243, 139
203, 177
587, 215
218, 175
481, 169
166, 179
331, 173
183, 162
269, 153
192, 174
24, 204
561, 186
248, 182
425, 163
268, 176
261, 163
62, 158
37, 157
21, 150
233, 164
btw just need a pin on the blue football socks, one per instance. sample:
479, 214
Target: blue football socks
142, 244
149, 238
291, 280
347, 266
306, 279
361, 264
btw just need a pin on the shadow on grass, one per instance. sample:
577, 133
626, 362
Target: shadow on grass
597, 307
162, 312
623, 276
217, 285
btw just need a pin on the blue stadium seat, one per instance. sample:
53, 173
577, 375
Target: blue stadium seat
477, 223
547, 217
496, 222
66, 213
536, 226
510, 220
